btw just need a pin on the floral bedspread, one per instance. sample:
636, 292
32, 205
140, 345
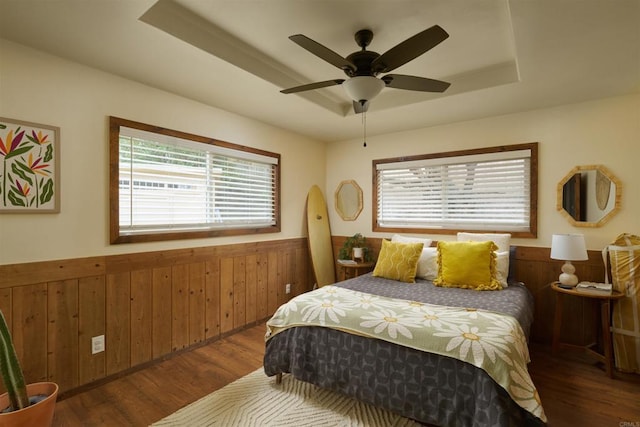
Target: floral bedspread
490, 341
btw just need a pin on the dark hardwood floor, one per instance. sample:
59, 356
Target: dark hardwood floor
574, 391
152, 393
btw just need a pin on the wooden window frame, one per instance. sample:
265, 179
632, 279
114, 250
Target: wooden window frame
533, 196
116, 237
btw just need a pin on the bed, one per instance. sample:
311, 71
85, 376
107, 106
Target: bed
438, 355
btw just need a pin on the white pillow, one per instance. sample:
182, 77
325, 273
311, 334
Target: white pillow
397, 238
503, 241
428, 264
502, 267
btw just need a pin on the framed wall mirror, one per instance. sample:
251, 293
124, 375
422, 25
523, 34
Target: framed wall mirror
348, 200
588, 196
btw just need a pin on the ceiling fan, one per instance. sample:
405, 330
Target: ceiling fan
363, 66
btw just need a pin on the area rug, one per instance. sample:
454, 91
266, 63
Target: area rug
256, 400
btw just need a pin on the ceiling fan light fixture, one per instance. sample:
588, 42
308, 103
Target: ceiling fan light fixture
363, 88
364, 65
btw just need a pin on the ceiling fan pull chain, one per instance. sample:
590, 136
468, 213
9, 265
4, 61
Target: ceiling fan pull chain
364, 126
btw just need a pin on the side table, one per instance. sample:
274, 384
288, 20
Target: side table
354, 269
605, 299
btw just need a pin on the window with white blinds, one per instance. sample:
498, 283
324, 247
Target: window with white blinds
475, 190
170, 186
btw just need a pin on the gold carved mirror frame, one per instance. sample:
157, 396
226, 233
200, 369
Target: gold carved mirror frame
589, 196
348, 200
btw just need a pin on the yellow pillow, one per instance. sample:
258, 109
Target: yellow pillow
470, 265
398, 261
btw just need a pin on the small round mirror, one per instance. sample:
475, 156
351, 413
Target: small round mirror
348, 200
588, 196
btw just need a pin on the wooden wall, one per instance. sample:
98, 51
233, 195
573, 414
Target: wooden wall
536, 270
148, 305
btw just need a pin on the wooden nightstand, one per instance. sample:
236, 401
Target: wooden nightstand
351, 270
605, 320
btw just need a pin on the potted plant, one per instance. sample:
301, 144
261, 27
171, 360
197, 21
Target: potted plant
359, 243
22, 405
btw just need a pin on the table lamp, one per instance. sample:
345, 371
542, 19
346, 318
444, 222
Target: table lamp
568, 247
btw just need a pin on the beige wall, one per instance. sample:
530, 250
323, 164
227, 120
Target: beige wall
40, 88
44, 89
605, 132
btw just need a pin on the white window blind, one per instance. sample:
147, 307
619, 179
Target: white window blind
488, 191
169, 184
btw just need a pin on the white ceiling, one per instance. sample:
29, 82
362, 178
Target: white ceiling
501, 57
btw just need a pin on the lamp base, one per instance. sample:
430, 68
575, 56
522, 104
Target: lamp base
568, 278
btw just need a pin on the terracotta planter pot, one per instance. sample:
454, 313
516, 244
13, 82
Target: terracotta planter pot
40, 414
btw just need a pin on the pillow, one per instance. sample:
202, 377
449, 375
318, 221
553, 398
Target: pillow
398, 238
469, 265
503, 241
398, 261
428, 264
502, 268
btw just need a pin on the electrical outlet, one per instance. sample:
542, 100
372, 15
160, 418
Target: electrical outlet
287, 288
97, 344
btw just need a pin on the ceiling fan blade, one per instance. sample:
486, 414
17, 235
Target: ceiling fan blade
360, 108
400, 81
409, 49
322, 52
312, 86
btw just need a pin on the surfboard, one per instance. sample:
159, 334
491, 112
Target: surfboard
320, 247
603, 188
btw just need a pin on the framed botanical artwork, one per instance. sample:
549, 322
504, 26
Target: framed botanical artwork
29, 167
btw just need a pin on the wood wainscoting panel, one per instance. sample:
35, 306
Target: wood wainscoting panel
212, 298
251, 280
239, 292
226, 295
148, 305
62, 333
179, 307
262, 286
49, 271
302, 272
288, 276
30, 329
272, 282
91, 322
118, 322
141, 316
197, 303
161, 314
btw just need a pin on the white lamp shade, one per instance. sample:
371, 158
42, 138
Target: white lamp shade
363, 88
569, 247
